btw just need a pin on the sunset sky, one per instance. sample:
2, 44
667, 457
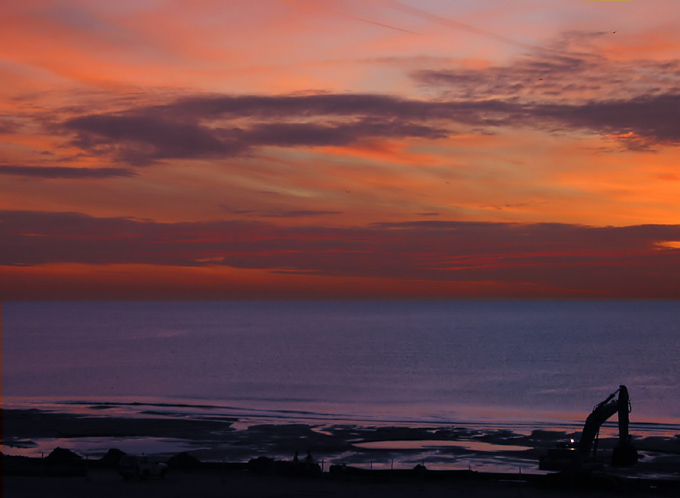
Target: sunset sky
345, 149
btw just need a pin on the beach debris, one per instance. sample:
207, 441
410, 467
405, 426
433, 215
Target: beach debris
266, 465
261, 465
184, 461
420, 469
141, 467
112, 458
62, 455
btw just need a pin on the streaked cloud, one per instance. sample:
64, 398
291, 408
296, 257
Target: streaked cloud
63, 172
577, 71
277, 213
634, 101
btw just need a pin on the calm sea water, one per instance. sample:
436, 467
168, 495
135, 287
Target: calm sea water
365, 361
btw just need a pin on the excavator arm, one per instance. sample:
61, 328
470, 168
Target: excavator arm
600, 414
624, 454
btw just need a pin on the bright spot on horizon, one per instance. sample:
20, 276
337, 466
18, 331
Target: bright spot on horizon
672, 244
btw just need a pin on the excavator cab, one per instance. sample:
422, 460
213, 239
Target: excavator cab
581, 455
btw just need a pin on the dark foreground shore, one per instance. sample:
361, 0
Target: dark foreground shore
106, 483
261, 461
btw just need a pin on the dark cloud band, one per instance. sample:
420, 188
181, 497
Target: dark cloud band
607, 261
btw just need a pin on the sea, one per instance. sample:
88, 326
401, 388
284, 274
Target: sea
535, 364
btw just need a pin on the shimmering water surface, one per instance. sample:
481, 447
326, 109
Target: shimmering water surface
373, 360
405, 361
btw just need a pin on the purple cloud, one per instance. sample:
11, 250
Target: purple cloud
196, 127
145, 135
7, 126
140, 139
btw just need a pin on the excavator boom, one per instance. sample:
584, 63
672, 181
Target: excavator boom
624, 454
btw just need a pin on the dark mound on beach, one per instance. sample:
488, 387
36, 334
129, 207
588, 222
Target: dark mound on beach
112, 458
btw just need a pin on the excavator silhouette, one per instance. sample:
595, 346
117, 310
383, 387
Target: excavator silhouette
581, 455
